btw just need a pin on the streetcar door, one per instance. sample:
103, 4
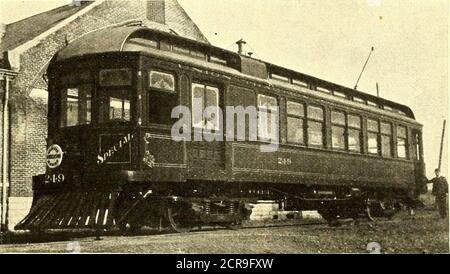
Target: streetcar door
419, 165
207, 146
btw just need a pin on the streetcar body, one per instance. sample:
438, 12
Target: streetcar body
113, 159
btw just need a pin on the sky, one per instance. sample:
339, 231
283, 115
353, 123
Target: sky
331, 39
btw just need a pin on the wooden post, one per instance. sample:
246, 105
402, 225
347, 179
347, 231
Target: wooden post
442, 145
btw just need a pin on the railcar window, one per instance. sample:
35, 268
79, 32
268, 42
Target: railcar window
76, 106
295, 122
197, 54
371, 103
372, 136
300, 83
115, 105
179, 49
315, 126
321, 89
161, 80
359, 100
204, 96
267, 106
162, 97
386, 139
217, 60
354, 133
339, 94
338, 130
279, 78
401, 142
416, 149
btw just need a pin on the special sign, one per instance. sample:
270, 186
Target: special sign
54, 156
102, 158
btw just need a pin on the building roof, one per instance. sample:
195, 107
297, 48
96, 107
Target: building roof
26, 29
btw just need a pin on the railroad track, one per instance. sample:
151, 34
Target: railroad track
57, 235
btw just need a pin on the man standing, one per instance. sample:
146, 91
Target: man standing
440, 190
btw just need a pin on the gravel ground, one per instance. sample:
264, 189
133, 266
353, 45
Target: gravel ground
422, 233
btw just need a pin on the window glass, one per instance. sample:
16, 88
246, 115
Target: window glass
321, 89
386, 139
401, 142
416, 149
372, 125
401, 148
338, 130
214, 59
315, 113
162, 97
76, 106
315, 133
279, 78
161, 80
197, 54
72, 107
339, 94
295, 130
386, 146
296, 109
338, 118
115, 105
300, 83
180, 49
338, 137
266, 112
359, 100
386, 128
204, 96
371, 103
197, 105
354, 140
115, 77
265, 128
315, 126
354, 121
266, 102
119, 108
401, 131
372, 141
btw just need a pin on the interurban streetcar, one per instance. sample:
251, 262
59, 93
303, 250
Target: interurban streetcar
112, 160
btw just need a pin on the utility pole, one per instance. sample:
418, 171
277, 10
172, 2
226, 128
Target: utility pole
378, 91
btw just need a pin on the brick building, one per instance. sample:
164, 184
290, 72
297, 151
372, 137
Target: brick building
26, 48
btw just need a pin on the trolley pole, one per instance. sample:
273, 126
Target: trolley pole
364, 67
442, 144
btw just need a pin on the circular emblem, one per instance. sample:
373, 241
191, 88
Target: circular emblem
54, 156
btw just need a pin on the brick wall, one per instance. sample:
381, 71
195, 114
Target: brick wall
28, 117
